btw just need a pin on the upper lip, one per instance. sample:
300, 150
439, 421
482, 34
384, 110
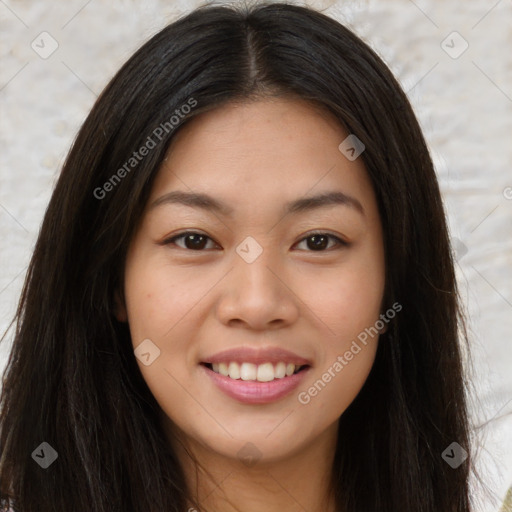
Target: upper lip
257, 356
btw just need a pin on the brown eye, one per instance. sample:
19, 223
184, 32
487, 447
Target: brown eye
319, 242
191, 240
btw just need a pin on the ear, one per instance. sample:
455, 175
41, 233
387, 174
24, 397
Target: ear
384, 329
120, 307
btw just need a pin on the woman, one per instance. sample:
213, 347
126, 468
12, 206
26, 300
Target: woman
242, 296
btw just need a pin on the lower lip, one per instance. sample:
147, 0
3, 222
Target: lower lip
254, 392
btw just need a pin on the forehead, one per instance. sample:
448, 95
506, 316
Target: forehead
265, 131
273, 150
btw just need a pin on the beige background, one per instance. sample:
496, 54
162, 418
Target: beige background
464, 105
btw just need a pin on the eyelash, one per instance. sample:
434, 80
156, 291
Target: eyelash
339, 241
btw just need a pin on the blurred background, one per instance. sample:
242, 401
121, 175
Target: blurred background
453, 59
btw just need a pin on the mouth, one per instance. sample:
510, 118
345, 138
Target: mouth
252, 384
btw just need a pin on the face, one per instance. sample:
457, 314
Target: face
239, 267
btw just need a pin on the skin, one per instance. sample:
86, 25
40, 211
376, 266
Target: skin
190, 303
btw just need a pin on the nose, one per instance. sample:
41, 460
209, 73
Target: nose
257, 296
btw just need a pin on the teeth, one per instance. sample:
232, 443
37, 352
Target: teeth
223, 369
234, 370
266, 372
248, 371
280, 370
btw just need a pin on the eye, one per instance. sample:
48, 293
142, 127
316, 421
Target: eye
194, 241
319, 241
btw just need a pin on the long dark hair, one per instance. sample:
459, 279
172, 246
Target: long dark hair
72, 380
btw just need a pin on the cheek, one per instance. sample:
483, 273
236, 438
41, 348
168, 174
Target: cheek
349, 300
338, 383
345, 358
162, 305
159, 296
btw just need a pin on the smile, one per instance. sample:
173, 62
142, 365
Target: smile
256, 384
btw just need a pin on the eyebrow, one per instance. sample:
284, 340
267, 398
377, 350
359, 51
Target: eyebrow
209, 203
